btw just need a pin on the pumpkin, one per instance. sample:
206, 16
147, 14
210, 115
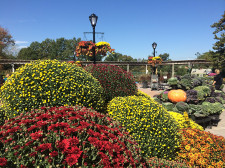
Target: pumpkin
177, 95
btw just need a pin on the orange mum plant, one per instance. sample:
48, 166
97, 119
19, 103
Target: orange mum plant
202, 149
86, 48
154, 60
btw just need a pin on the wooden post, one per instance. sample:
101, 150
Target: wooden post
172, 70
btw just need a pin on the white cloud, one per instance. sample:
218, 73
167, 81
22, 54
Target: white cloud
22, 47
21, 42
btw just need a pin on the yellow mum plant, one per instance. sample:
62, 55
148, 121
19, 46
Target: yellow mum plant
184, 123
50, 83
148, 122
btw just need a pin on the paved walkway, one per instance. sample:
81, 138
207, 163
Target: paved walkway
216, 130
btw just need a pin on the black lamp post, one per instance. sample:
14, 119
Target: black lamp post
154, 45
93, 19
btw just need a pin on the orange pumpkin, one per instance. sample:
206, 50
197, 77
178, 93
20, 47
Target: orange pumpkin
177, 95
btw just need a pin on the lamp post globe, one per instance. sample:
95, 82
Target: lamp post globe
154, 45
93, 19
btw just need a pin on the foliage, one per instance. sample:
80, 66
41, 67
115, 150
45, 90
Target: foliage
219, 46
212, 108
192, 96
115, 81
197, 110
172, 81
5, 40
203, 91
168, 106
2, 116
148, 122
210, 99
203, 149
60, 49
115, 56
183, 122
67, 136
186, 83
165, 96
50, 83
162, 163
182, 106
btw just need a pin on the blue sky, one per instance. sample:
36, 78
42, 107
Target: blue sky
179, 27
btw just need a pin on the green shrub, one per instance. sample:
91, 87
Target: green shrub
186, 83
50, 83
168, 105
67, 137
165, 96
203, 89
115, 81
172, 81
148, 122
182, 107
212, 108
197, 110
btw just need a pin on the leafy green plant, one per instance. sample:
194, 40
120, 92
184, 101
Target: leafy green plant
203, 89
172, 81
67, 137
148, 122
50, 83
186, 83
168, 106
197, 110
182, 107
212, 108
114, 80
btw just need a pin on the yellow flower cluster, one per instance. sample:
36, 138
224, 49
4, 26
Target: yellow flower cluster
101, 43
148, 122
156, 58
180, 119
50, 83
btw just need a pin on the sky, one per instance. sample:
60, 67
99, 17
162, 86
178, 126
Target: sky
180, 28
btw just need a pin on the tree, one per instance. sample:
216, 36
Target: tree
5, 40
219, 35
61, 49
165, 56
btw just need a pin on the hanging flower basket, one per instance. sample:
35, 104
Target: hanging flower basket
86, 48
154, 60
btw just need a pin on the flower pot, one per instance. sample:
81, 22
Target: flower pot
215, 118
203, 121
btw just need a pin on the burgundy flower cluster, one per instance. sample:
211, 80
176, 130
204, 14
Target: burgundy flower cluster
61, 136
115, 81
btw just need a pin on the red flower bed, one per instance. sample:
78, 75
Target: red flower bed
65, 136
114, 80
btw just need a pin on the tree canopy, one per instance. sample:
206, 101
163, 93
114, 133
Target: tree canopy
219, 46
61, 49
5, 41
